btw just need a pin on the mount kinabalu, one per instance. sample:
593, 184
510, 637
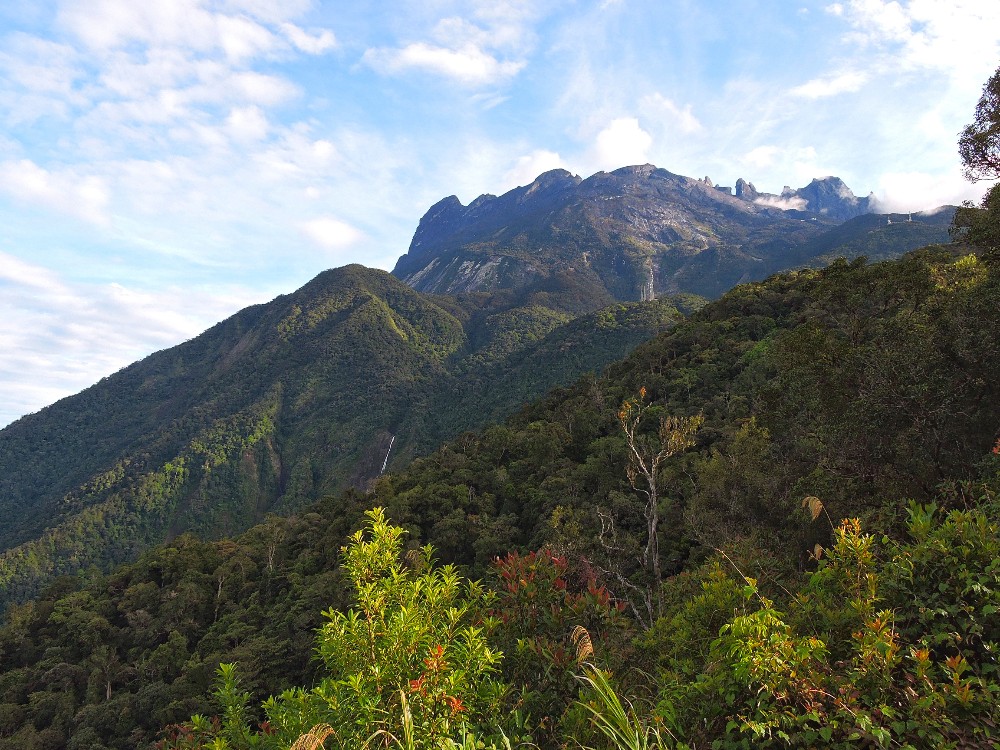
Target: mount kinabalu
323, 388
636, 232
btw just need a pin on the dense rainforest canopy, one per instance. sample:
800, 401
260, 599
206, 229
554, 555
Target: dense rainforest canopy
866, 386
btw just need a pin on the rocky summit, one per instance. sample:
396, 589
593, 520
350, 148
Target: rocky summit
636, 232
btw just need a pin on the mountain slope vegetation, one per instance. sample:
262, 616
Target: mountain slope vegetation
867, 386
356, 372
278, 406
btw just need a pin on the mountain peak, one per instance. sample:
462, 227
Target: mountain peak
625, 231
830, 197
636, 170
746, 190
556, 175
446, 213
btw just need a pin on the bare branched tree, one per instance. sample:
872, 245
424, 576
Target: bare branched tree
647, 452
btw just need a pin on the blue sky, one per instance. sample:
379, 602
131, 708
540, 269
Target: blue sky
164, 164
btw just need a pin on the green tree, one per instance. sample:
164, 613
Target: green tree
552, 619
864, 667
409, 666
979, 226
979, 147
979, 144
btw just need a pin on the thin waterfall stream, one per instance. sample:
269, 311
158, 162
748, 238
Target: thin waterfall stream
386, 462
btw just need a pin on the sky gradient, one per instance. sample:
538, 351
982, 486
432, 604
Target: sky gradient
164, 164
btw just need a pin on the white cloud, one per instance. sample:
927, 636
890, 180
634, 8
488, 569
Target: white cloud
488, 46
296, 154
330, 233
313, 44
761, 157
672, 117
182, 53
529, 166
107, 25
469, 65
455, 32
623, 142
40, 65
258, 88
955, 36
122, 70
247, 124
918, 191
15, 271
879, 20
38, 79
242, 38
831, 85
268, 11
67, 192
785, 204
104, 25
509, 23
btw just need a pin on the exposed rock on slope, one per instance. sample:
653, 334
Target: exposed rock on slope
831, 198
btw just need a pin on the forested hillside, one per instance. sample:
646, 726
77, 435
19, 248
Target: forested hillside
355, 373
866, 386
283, 404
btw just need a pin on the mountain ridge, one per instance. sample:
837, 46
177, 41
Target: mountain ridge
278, 406
637, 232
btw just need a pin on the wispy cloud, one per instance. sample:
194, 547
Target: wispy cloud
467, 64
124, 66
673, 117
82, 196
831, 85
313, 43
240, 32
486, 46
955, 36
73, 334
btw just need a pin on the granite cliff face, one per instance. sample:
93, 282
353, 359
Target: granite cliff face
828, 197
634, 233
831, 198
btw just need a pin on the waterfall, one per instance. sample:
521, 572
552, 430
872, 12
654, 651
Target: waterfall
386, 462
648, 294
